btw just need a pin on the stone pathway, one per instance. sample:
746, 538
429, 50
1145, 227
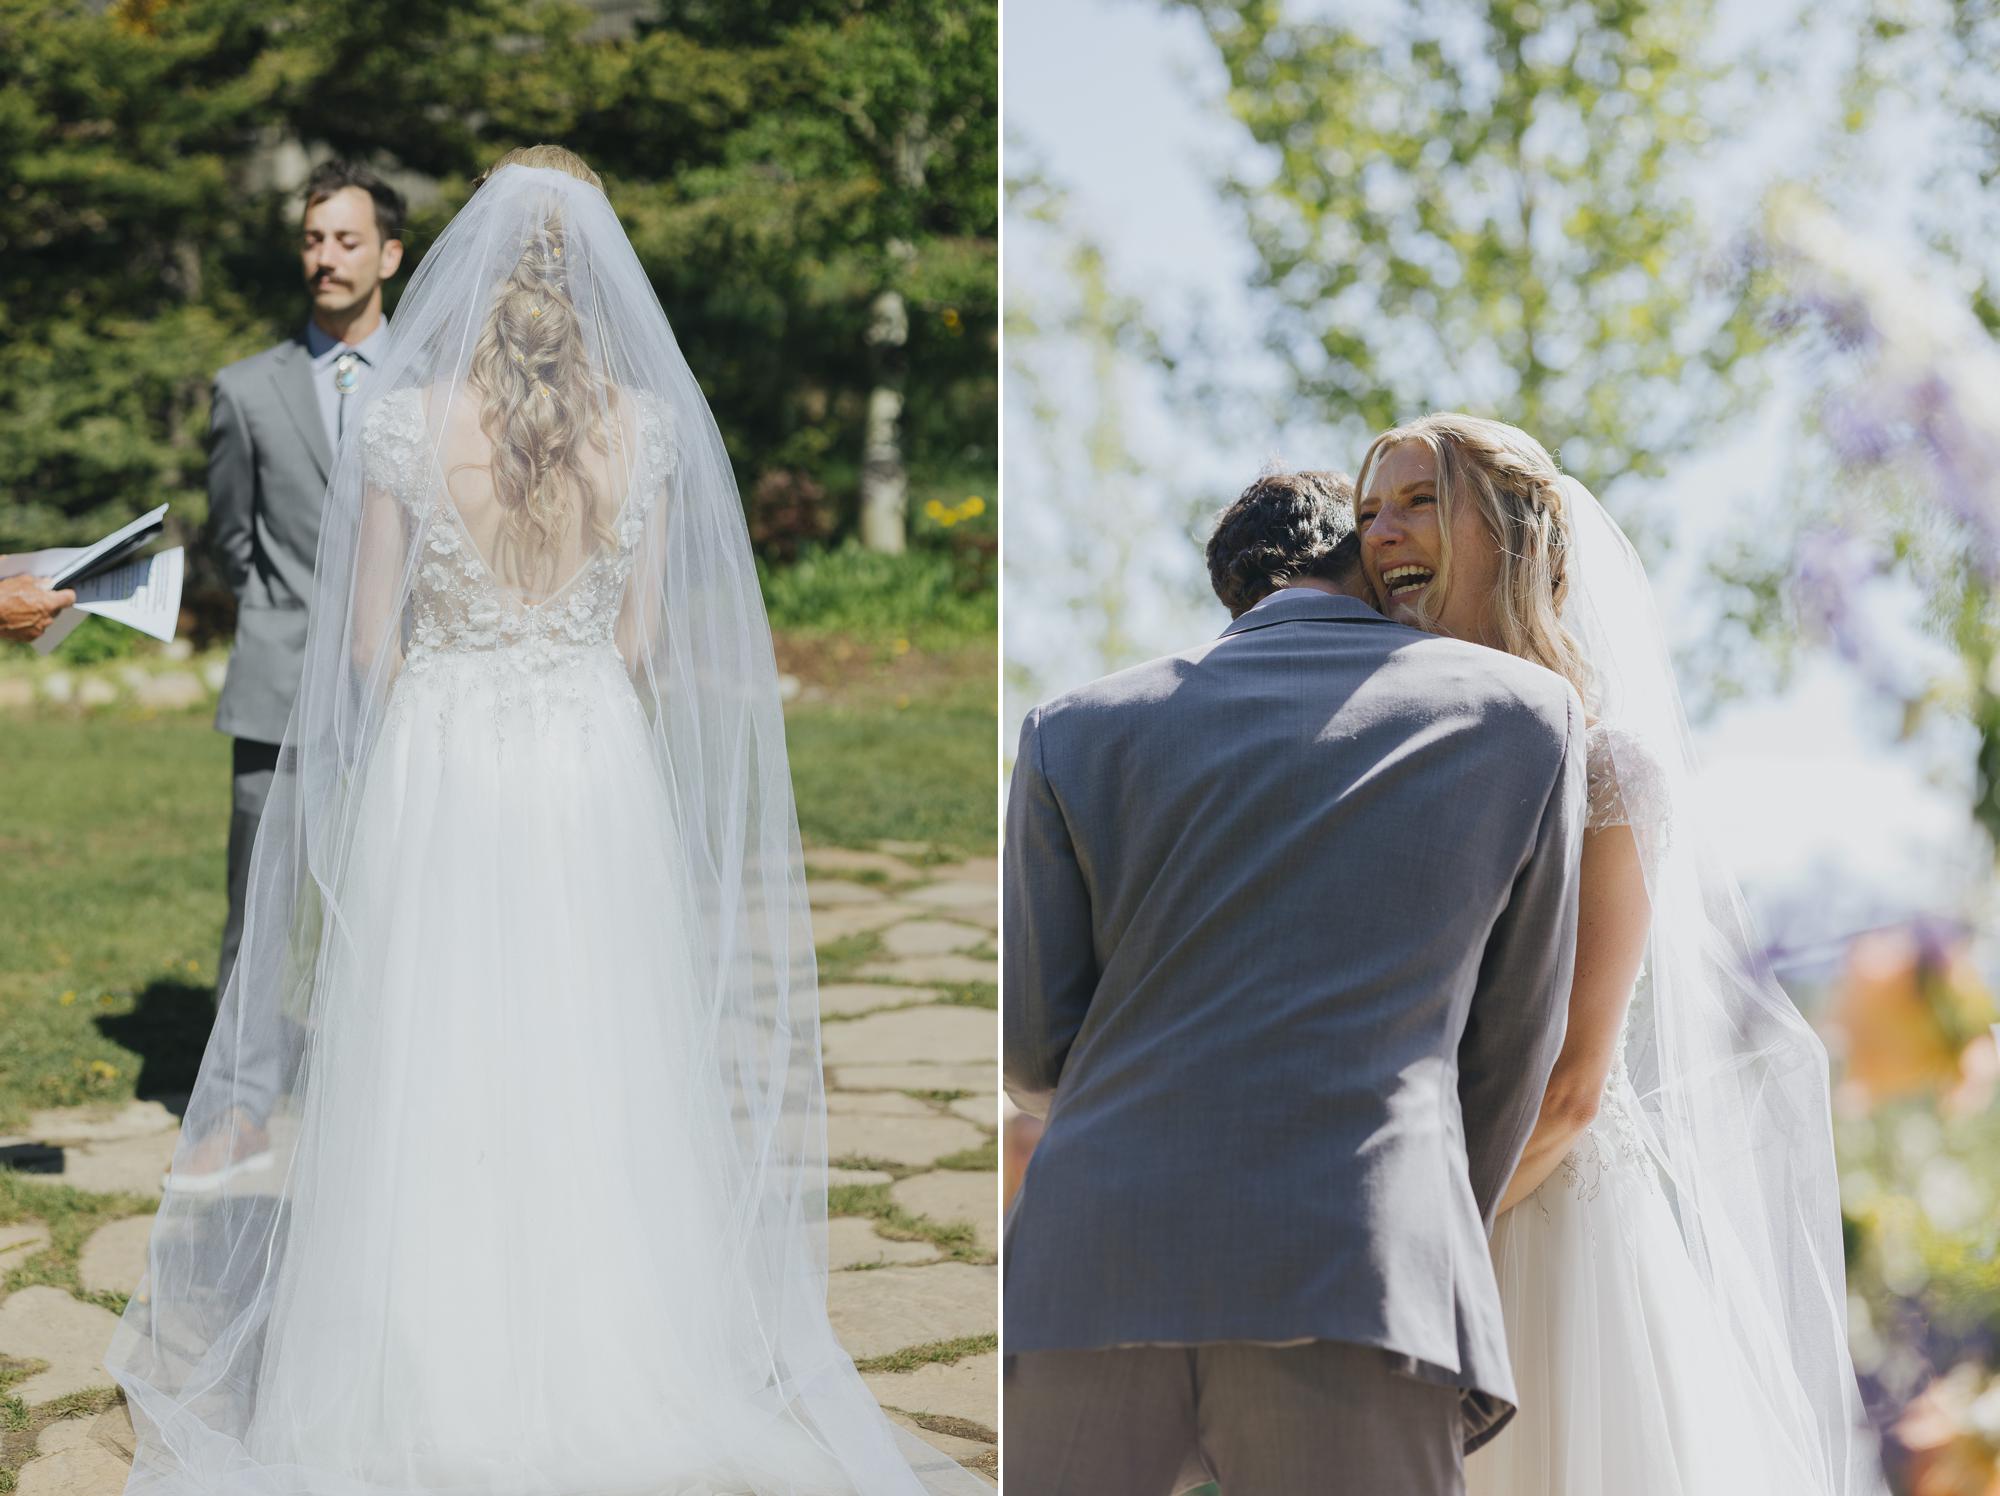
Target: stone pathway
909, 1038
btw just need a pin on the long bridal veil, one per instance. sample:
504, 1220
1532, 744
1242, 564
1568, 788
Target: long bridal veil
1732, 1081
532, 810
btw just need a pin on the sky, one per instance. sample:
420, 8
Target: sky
1831, 823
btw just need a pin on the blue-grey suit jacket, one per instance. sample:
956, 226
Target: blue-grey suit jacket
268, 463
1290, 920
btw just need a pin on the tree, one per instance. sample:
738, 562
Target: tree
1480, 204
147, 239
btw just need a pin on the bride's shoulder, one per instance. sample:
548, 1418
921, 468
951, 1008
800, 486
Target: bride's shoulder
1627, 778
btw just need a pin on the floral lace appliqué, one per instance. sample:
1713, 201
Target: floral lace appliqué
457, 607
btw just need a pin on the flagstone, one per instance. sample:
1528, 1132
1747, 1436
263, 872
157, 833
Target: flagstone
967, 1389
931, 937
981, 1111
825, 893
114, 1259
954, 894
830, 925
851, 1243
19, 1243
88, 1456
982, 870
46, 1324
919, 1141
876, 1104
980, 1458
951, 1195
935, 1034
124, 1166
978, 1078
879, 1312
74, 1126
845, 998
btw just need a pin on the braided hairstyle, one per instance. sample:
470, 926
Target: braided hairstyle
542, 399
1513, 481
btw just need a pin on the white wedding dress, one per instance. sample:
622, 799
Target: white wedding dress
1628, 1382
505, 1268
527, 996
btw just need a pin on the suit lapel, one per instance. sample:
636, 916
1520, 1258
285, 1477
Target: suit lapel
295, 388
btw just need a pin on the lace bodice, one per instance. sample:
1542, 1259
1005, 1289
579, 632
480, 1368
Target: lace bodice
457, 605
1627, 786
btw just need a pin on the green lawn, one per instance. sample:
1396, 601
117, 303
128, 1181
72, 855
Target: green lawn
113, 843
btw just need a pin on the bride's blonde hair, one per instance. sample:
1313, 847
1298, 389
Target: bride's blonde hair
1514, 484
542, 399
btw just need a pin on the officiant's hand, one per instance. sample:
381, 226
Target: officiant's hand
27, 606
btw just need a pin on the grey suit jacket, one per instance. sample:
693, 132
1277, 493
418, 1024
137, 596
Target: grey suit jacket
1290, 923
268, 463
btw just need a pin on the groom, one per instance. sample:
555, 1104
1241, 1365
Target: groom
1290, 920
274, 423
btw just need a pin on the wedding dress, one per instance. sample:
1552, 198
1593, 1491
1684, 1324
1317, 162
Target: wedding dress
1674, 1292
1626, 1382
528, 937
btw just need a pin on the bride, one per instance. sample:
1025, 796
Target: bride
1669, 1250
527, 962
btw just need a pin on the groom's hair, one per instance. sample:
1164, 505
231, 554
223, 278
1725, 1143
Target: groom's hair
1283, 527
330, 176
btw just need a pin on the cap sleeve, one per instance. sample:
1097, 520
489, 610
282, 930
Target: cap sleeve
393, 446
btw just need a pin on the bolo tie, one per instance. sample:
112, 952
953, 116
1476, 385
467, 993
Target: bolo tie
346, 379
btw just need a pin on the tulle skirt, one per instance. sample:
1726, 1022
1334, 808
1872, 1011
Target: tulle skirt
1627, 1384
507, 1265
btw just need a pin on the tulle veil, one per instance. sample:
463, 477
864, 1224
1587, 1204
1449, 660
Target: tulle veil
1732, 1080
696, 649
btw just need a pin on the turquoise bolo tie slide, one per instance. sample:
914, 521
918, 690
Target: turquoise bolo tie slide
347, 373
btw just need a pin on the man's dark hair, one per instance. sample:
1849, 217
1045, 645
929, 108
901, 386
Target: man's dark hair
330, 176
1284, 526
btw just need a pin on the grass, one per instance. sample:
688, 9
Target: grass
901, 755
113, 852
71, 1216
938, 1352
955, 1239
985, 1158
970, 995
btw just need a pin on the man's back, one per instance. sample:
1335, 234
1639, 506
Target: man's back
1253, 892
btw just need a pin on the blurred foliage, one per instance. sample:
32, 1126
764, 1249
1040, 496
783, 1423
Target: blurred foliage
931, 596
1106, 550
757, 154
1482, 205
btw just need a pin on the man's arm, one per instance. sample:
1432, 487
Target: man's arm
1049, 967
1515, 1028
232, 485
